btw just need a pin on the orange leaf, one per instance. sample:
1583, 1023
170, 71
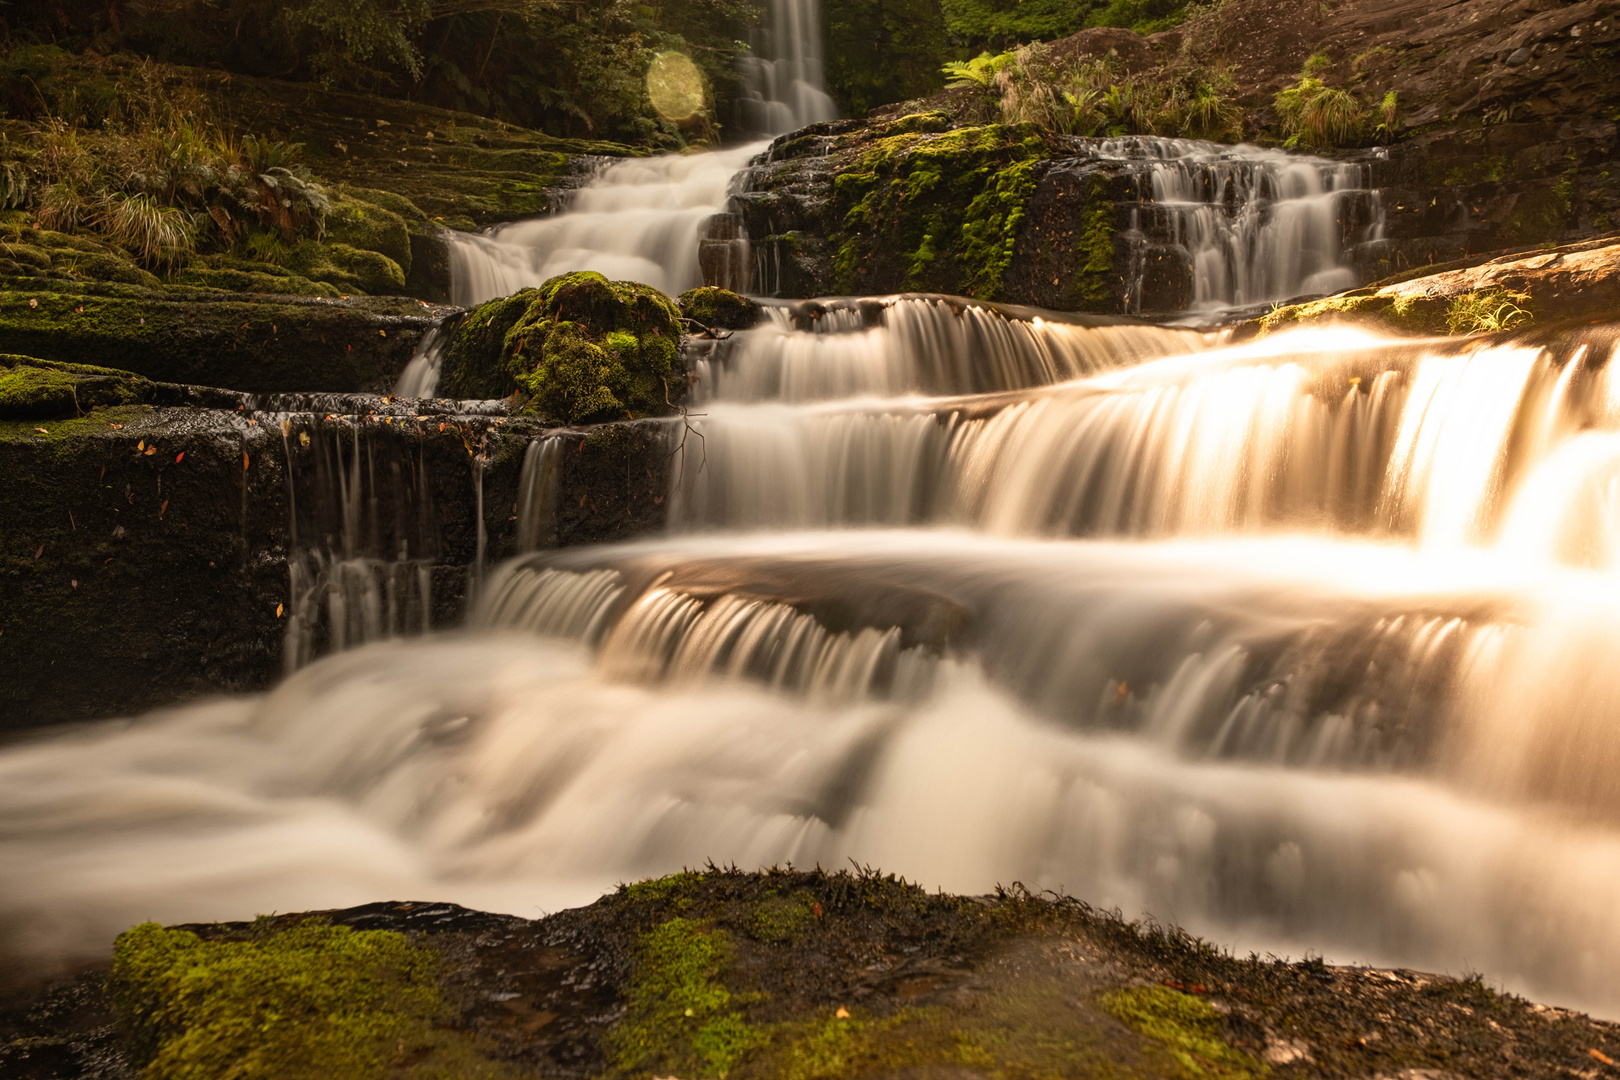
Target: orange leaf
1601, 1056
244, 461
40, 552
179, 456
278, 611
163, 508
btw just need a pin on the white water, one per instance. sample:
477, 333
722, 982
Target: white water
639, 220
1318, 659
1250, 225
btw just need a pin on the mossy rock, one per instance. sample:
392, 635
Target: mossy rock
353, 270
241, 275
258, 344
367, 226
339, 1001
719, 309
32, 389
580, 349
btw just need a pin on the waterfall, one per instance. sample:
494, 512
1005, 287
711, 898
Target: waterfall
889, 346
661, 220
784, 75
1219, 227
420, 379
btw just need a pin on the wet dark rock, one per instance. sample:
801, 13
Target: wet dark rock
149, 543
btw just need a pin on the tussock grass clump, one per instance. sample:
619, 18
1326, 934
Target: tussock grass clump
1488, 311
149, 170
1314, 114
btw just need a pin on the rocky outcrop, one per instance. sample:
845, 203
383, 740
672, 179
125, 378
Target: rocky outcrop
1574, 282
815, 975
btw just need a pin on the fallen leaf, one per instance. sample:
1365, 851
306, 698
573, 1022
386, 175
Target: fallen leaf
40, 552
33, 303
163, 508
116, 427
278, 611
842, 1013
382, 333
74, 582
150, 450
42, 431
178, 457
244, 461
141, 445
303, 438
1601, 1056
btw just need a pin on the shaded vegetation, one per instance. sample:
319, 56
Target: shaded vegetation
571, 69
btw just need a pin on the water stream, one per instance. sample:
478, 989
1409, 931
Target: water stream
1304, 643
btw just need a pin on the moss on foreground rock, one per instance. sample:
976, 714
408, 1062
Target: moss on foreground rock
579, 349
781, 974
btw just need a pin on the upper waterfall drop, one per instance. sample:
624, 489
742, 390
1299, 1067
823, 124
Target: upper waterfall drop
785, 88
660, 220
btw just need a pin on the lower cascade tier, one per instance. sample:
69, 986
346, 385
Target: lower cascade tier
1282, 744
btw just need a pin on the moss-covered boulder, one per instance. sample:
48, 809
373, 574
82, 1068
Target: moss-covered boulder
366, 226
32, 389
719, 309
580, 349
353, 270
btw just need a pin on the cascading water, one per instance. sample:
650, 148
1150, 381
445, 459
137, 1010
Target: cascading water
1301, 643
1240, 225
640, 219
661, 220
784, 77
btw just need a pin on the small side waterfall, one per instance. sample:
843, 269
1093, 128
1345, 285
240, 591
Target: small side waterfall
1221, 227
363, 541
420, 379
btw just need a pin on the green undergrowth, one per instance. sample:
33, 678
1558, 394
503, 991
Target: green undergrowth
935, 210
579, 349
1488, 311
311, 1001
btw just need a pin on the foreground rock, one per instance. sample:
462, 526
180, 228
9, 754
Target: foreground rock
1574, 282
777, 974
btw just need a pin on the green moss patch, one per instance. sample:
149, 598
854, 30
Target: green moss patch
1404, 314
681, 1019
579, 349
1186, 1026
311, 1001
719, 309
933, 210
33, 389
